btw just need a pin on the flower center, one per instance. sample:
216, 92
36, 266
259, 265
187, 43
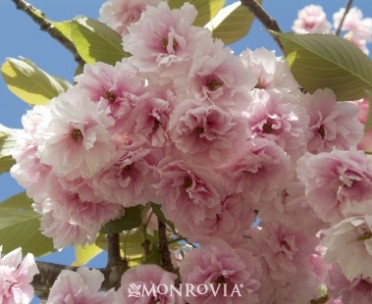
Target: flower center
267, 128
110, 96
76, 135
321, 131
187, 182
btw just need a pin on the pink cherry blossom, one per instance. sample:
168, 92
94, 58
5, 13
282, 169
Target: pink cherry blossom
119, 14
148, 122
259, 171
311, 19
358, 290
81, 286
163, 40
217, 77
114, 89
207, 133
230, 271
69, 220
358, 29
235, 217
75, 140
273, 116
142, 283
349, 244
187, 193
270, 71
285, 251
28, 169
16, 276
128, 179
332, 124
334, 180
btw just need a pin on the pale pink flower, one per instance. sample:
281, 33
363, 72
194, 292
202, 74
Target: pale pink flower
16, 276
75, 140
163, 40
142, 283
114, 89
206, 133
119, 14
285, 250
259, 171
334, 180
358, 29
81, 286
235, 217
188, 193
149, 119
332, 124
272, 115
270, 71
69, 220
217, 77
311, 19
226, 270
349, 244
28, 170
358, 290
128, 179
299, 283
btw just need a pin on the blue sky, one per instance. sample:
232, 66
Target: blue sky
20, 36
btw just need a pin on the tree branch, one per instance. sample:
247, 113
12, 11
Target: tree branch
264, 17
47, 26
116, 266
348, 5
166, 261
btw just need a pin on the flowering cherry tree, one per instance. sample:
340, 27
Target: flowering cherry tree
208, 176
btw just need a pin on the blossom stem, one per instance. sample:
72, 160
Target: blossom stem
46, 25
348, 5
269, 22
166, 260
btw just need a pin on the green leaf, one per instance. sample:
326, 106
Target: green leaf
29, 83
64, 27
132, 218
20, 227
7, 143
327, 61
207, 9
83, 254
232, 22
156, 208
95, 41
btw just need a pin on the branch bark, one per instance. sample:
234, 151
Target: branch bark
264, 17
45, 25
166, 260
348, 5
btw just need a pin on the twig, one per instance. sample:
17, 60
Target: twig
47, 26
113, 249
166, 260
348, 5
264, 17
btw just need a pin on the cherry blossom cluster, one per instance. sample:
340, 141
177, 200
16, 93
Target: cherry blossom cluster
355, 28
266, 179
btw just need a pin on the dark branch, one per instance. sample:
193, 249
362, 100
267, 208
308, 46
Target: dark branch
264, 17
47, 26
166, 261
348, 5
116, 266
113, 249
